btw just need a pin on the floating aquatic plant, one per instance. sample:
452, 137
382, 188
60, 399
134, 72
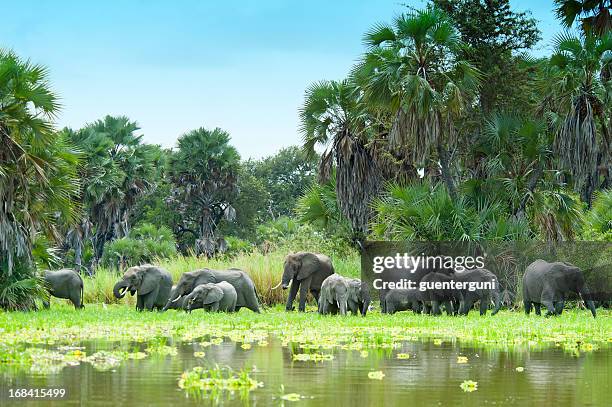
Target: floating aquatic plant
469, 386
377, 375
217, 381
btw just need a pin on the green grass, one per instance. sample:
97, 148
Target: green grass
62, 324
265, 270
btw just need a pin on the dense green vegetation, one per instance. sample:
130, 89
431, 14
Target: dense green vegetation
443, 130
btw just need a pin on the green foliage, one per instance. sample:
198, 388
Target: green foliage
496, 35
145, 244
284, 176
204, 173
21, 288
594, 15
424, 212
598, 220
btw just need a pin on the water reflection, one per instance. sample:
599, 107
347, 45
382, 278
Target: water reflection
430, 376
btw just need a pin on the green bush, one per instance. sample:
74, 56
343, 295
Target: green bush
143, 245
598, 220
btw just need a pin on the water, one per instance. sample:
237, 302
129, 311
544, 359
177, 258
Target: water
431, 376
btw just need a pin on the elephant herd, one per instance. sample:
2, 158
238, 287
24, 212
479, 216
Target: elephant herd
544, 284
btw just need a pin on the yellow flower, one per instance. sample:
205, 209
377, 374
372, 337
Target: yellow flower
246, 346
378, 375
519, 368
403, 356
462, 359
469, 386
199, 354
363, 354
437, 342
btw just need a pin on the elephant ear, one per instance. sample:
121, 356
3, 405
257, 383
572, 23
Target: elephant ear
150, 280
215, 294
310, 264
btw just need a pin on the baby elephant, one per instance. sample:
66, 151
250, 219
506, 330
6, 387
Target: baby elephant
213, 297
403, 300
65, 283
339, 294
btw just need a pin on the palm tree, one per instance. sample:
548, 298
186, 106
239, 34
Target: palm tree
37, 175
413, 67
333, 116
579, 100
594, 15
117, 169
204, 173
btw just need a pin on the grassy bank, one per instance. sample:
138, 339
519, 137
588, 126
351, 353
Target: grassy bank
265, 270
62, 324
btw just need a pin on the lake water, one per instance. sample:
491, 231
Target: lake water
431, 376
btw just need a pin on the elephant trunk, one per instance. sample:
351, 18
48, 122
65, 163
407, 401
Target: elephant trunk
120, 288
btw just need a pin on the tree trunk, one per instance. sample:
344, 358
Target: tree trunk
445, 171
531, 186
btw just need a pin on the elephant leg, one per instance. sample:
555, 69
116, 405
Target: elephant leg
304, 288
315, 294
435, 308
149, 299
426, 308
484, 305
559, 307
214, 307
448, 306
538, 309
139, 302
295, 285
527, 305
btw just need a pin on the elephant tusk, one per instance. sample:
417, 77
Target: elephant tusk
276, 286
177, 298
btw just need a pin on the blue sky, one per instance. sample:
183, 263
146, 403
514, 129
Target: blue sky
177, 65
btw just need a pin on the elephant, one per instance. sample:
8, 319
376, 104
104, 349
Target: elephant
549, 284
334, 295
397, 275
403, 300
151, 284
65, 283
432, 298
176, 304
359, 296
244, 286
304, 271
213, 297
467, 298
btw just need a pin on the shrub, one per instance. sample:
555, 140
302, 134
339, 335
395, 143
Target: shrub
144, 244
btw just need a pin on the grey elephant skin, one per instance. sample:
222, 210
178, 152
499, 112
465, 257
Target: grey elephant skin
65, 283
432, 299
305, 271
212, 297
359, 296
334, 295
399, 275
549, 284
403, 300
151, 284
468, 298
240, 280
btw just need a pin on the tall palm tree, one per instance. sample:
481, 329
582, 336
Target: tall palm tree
37, 175
580, 108
413, 67
334, 117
